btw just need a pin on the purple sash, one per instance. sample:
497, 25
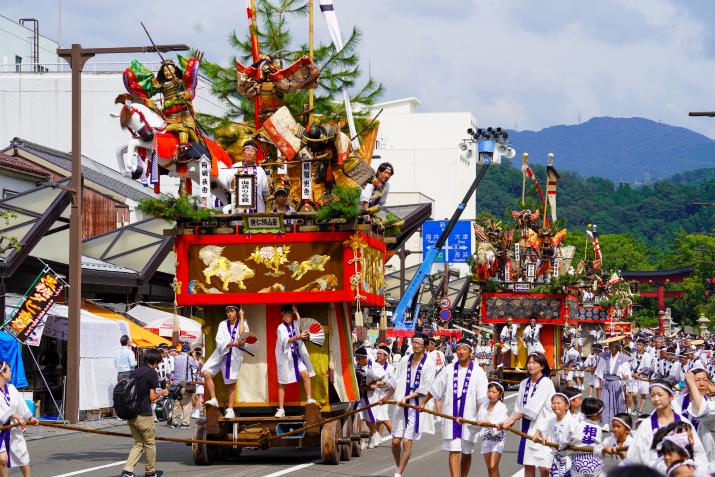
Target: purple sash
686, 414
654, 420
526, 389
5, 435
409, 388
293, 349
232, 333
459, 402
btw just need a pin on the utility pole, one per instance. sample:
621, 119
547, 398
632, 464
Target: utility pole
77, 57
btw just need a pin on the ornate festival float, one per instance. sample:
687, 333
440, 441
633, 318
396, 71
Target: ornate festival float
525, 273
309, 243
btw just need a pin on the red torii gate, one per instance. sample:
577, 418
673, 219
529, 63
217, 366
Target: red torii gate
659, 278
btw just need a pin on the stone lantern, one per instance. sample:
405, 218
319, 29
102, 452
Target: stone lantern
667, 321
703, 321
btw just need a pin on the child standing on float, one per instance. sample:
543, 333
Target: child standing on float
292, 358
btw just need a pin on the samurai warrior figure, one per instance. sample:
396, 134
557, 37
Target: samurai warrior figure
177, 86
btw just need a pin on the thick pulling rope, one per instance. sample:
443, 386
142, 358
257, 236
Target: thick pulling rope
444, 416
263, 441
124, 434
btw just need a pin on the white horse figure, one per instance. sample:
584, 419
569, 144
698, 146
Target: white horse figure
144, 123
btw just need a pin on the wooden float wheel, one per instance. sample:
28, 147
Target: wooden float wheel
346, 451
356, 446
203, 454
329, 448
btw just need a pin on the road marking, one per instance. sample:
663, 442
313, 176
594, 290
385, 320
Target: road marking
511, 396
84, 471
290, 469
520, 473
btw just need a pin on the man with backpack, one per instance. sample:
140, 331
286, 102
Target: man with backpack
184, 368
132, 401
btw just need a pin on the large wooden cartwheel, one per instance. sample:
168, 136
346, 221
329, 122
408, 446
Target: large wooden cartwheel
356, 446
346, 450
203, 454
329, 447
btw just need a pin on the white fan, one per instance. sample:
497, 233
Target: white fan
316, 333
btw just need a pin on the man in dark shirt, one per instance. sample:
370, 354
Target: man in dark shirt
142, 426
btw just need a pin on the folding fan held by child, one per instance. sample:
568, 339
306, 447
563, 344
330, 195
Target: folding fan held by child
316, 333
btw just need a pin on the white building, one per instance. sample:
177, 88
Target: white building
424, 150
17, 46
36, 101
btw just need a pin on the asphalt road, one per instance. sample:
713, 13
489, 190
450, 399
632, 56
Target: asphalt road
92, 456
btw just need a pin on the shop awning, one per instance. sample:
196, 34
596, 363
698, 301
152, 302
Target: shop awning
139, 335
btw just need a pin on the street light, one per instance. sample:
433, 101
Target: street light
77, 57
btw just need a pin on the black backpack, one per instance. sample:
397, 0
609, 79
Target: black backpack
126, 400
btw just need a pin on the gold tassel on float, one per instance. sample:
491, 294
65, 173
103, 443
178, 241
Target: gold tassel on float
358, 317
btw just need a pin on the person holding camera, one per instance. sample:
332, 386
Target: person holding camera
183, 377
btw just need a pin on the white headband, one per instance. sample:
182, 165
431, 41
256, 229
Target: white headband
4, 366
662, 386
680, 439
622, 422
562, 395
575, 396
497, 384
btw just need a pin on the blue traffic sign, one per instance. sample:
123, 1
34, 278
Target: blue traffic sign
459, 242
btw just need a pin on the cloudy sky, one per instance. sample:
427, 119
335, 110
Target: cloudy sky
522, 64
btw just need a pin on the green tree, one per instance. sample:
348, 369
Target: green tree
337, 69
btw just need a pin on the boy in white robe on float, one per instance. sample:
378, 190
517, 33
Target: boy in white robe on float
13, 448
292, 358
227, 357
461, 388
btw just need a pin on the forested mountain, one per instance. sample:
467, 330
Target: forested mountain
632, 150
655, 213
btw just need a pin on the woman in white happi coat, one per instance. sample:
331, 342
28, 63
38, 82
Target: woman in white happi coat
381, 413
531, 337
461, 388
641, 450
368, 374
532, 407
13, 449
227, 357
699, 408
292, 358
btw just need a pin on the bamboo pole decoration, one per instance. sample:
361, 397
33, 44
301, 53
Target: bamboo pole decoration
311, 92
256, 60
524, 165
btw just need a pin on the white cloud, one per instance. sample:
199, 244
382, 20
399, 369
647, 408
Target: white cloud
525, 62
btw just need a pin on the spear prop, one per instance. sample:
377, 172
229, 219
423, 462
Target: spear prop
152, 42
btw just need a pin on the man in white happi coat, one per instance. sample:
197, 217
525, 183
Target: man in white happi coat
461, 388
292, 358
13, 448
641, 369
411, 381
509, 338
227, 357
369, 375
381, 413
531, 337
